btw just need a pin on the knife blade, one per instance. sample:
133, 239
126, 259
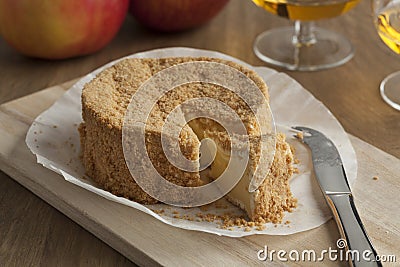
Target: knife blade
331, 176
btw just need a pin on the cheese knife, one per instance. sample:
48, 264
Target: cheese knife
331, 176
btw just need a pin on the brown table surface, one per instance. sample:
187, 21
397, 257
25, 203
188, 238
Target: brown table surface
34, 233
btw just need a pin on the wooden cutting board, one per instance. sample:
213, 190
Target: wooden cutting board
144, 240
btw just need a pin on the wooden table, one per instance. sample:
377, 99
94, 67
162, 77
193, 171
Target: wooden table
34, 233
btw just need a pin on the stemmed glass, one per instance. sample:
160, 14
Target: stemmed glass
387, 22
304, 47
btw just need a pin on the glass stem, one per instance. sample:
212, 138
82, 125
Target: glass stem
304, 33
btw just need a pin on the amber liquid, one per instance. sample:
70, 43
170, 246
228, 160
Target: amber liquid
388, 25
306, 10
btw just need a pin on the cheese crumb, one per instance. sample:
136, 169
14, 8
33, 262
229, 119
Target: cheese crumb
300, 135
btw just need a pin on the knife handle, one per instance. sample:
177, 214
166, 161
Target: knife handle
352, 230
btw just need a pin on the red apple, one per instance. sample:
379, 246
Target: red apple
57, 29
175, 15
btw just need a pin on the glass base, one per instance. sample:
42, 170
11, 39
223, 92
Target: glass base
390, 90
277, 47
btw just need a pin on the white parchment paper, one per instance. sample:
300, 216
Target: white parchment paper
54, 139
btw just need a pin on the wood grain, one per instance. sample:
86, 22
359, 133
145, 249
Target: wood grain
349, 91
147, 241
42, 242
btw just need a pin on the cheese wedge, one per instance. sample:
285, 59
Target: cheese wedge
105, 100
